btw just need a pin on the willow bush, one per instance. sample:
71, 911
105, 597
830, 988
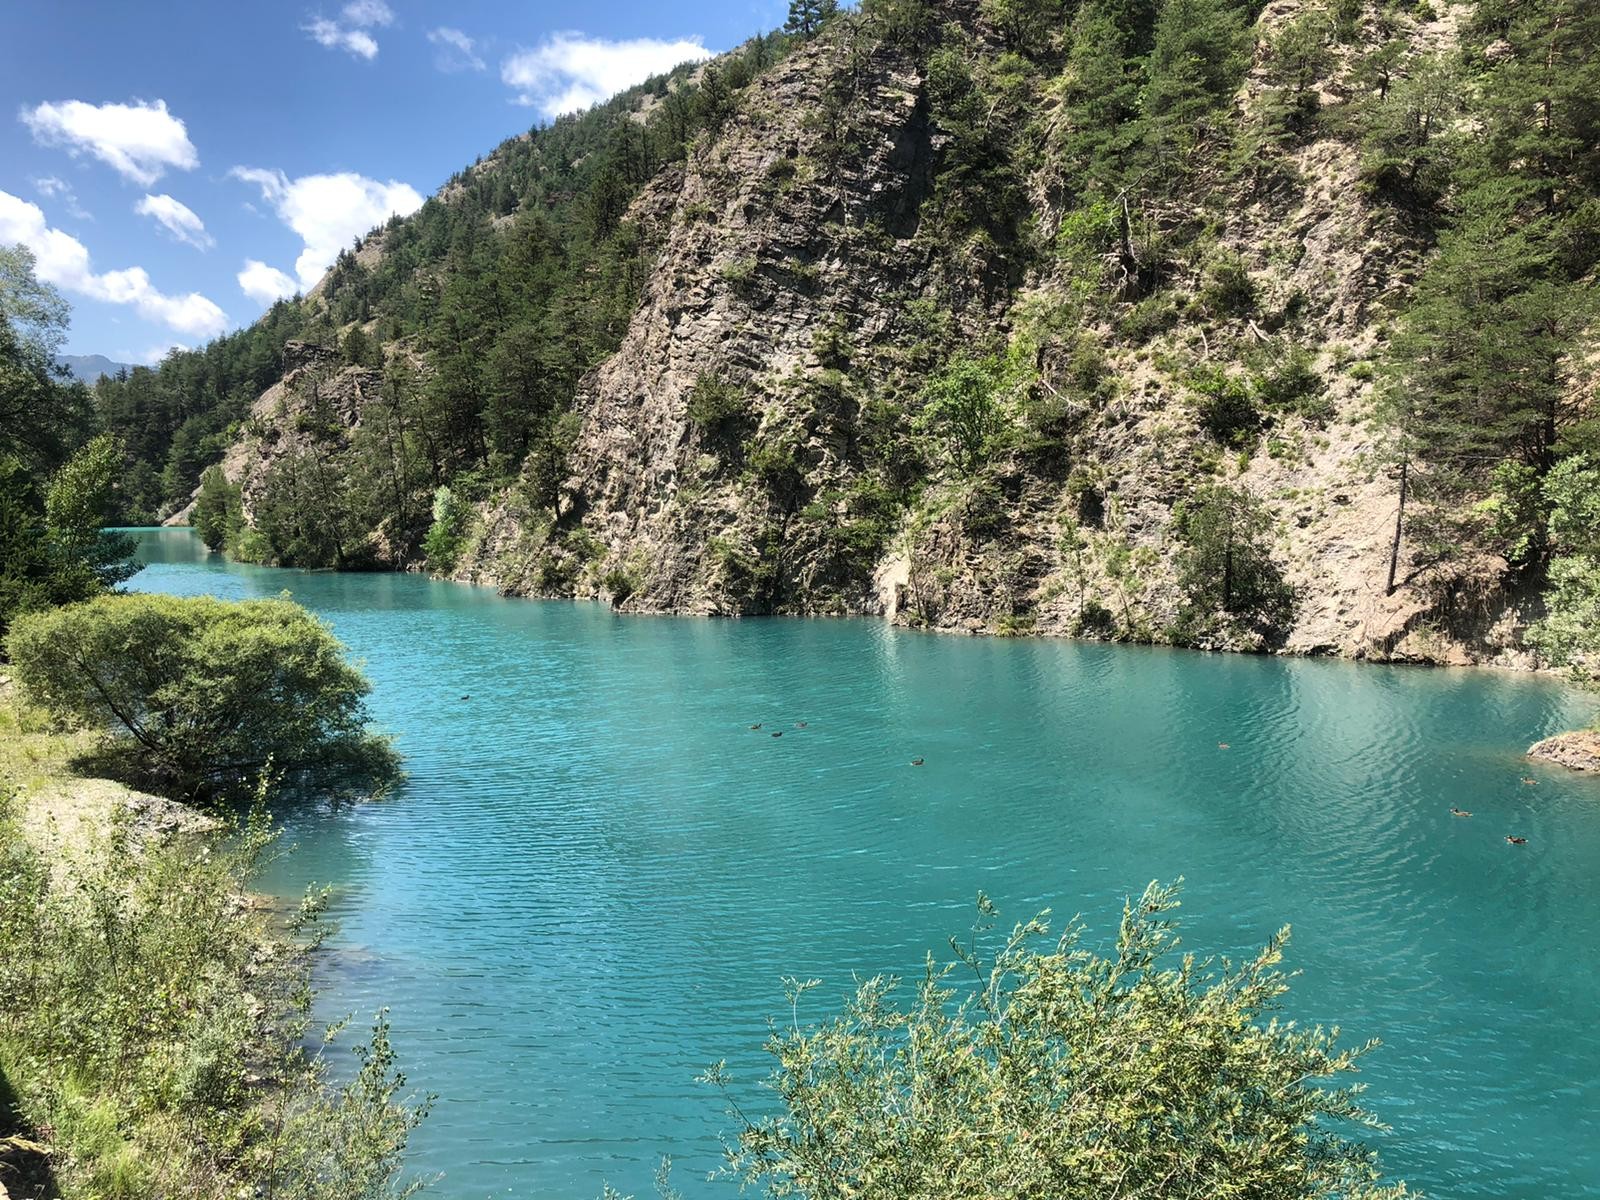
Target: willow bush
206, 695
1057, 1073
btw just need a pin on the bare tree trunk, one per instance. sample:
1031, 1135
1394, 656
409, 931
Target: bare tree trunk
1399, 525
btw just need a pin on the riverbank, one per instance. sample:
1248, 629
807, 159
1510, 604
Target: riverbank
153, 1012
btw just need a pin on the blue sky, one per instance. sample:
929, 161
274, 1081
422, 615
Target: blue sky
175, 165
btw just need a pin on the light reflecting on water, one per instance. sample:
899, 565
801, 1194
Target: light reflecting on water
597, 873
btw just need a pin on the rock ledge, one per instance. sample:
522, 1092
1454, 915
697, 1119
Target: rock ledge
1579, 750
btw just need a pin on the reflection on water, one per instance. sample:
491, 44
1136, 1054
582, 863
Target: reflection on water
597, 872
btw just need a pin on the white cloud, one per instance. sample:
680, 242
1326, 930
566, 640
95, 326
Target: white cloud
265, 284
326, 33
570, 71
53, 188
154, 356
457, 51
181, 221
140, 140
329, 211
364, 14
64, 260
349, 33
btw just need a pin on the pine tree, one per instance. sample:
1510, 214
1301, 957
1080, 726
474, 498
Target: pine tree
807, 17
1196, 62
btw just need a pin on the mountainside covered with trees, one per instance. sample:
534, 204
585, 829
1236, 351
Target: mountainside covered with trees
1183, 320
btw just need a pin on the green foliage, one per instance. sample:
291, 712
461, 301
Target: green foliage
358, 349
1040, 1070
1478, 393
1084, 242
1299, 55
1289, 383
1225, 566
219, 511
1200, 52
807, 17
964, 408
1226, 406
55, 482
52, 547
447, 535
1516, 511
204, 695
1405, 150
43, 415
1569, 633
155, 1029
1228, 290
304, 514
775, 463
716, 407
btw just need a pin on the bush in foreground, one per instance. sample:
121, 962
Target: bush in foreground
1061, 1074
153, 1033
207, 695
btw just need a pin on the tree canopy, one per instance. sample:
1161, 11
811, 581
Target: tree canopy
206, 696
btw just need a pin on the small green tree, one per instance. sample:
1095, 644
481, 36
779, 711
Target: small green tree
218, 510
205, 696
1569, 633
359, 350
52, 547
715, 407
1055, 1073
442, 546
1225, 566
807, 17
76, 506
963, 408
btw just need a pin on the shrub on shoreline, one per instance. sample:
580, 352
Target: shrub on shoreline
154, 1030
206, 696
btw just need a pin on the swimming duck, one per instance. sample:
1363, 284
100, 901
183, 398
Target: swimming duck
777, 733
1516, 841
1222, 745
916, 762
799, 724
1527, 782
1459, 812
757, 725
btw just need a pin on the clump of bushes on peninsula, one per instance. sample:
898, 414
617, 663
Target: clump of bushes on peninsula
204, 697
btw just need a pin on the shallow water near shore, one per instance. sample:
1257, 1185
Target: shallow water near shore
597, 872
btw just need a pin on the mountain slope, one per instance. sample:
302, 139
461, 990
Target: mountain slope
1009, 316
88, 368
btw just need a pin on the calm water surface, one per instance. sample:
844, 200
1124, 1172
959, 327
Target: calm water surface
597, 873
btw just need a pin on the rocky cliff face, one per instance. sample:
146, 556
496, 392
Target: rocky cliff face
732, 451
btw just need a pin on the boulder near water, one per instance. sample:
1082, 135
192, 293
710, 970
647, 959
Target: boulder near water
1579, 750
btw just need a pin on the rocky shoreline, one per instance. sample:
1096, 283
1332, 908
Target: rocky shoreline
1578, 750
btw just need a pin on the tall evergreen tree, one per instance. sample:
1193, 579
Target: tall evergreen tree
807, 17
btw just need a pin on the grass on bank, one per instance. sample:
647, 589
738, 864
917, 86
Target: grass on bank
155, 1037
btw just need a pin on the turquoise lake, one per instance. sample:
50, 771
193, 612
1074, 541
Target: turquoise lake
597, 873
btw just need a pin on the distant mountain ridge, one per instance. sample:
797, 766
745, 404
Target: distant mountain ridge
89, 367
